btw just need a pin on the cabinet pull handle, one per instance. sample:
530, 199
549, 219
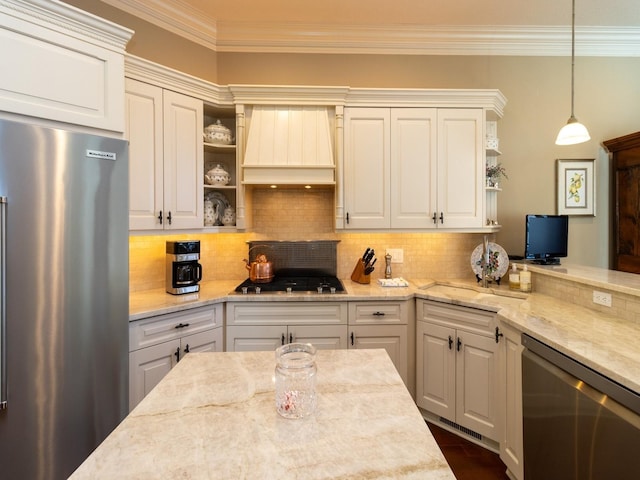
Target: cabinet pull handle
282, 339
441, 218
498, 334
177, 354
3, 304
458, 344
450, 342
378, 314
434, 218
347, 218
186, 349
169, 218
181, 325
291, 338
353, 339
160, 217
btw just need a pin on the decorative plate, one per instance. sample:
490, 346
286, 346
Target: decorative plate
498, 261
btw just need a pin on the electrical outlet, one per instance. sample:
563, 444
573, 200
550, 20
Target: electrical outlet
602, 298
397, 255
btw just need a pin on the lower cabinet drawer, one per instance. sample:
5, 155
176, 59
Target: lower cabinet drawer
163, 328
369, 313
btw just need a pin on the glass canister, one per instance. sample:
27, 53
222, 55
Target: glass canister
295, 379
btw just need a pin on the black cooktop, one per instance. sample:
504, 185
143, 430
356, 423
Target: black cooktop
295, 283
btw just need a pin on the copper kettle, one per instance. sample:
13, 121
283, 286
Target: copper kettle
260, 271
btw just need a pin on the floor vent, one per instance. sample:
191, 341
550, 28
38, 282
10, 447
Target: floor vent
469, 432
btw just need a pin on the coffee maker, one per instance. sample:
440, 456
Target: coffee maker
182, 270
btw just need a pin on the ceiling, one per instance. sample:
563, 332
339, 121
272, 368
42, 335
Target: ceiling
460, 27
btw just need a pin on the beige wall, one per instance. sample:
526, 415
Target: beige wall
537, 89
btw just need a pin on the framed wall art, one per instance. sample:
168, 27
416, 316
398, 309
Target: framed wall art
576, 187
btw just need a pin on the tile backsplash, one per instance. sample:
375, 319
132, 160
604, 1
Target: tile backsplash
299, 214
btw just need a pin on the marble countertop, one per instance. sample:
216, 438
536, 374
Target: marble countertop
213, 416
158, 302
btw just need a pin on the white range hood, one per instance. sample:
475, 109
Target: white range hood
289, 145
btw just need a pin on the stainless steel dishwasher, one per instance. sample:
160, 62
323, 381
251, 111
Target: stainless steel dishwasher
578, 424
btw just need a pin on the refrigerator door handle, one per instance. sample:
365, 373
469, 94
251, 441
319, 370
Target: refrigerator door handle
3, 303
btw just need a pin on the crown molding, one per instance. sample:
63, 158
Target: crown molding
515, 40
175, 16
427, 40
70, 21
165, 77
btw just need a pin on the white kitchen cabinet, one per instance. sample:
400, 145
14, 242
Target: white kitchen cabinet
383, 325
461, 168
511, 441
166, 178
411, 168
62, 64
255, 326
156, 344
457, 366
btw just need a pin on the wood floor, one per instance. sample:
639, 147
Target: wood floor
468, 460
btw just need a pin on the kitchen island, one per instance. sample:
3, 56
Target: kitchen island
213, 416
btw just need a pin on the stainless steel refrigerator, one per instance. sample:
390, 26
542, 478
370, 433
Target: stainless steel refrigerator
64, 297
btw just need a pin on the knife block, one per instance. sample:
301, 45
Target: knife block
358, 274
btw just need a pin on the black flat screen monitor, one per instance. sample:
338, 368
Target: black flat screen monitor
546, 238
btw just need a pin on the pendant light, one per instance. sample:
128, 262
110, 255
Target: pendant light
573, 132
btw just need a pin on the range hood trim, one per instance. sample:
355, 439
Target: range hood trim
287, 175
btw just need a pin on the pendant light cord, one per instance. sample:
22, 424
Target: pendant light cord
573, 52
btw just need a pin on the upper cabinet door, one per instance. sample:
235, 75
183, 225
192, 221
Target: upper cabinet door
367, 134
460, 168
143, 129
183, 161
413, 167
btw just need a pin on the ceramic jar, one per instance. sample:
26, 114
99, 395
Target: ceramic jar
217, 176
229, 217
209, 214
217, 133
295, 377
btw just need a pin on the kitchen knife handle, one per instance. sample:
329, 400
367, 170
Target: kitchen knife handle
3, 303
